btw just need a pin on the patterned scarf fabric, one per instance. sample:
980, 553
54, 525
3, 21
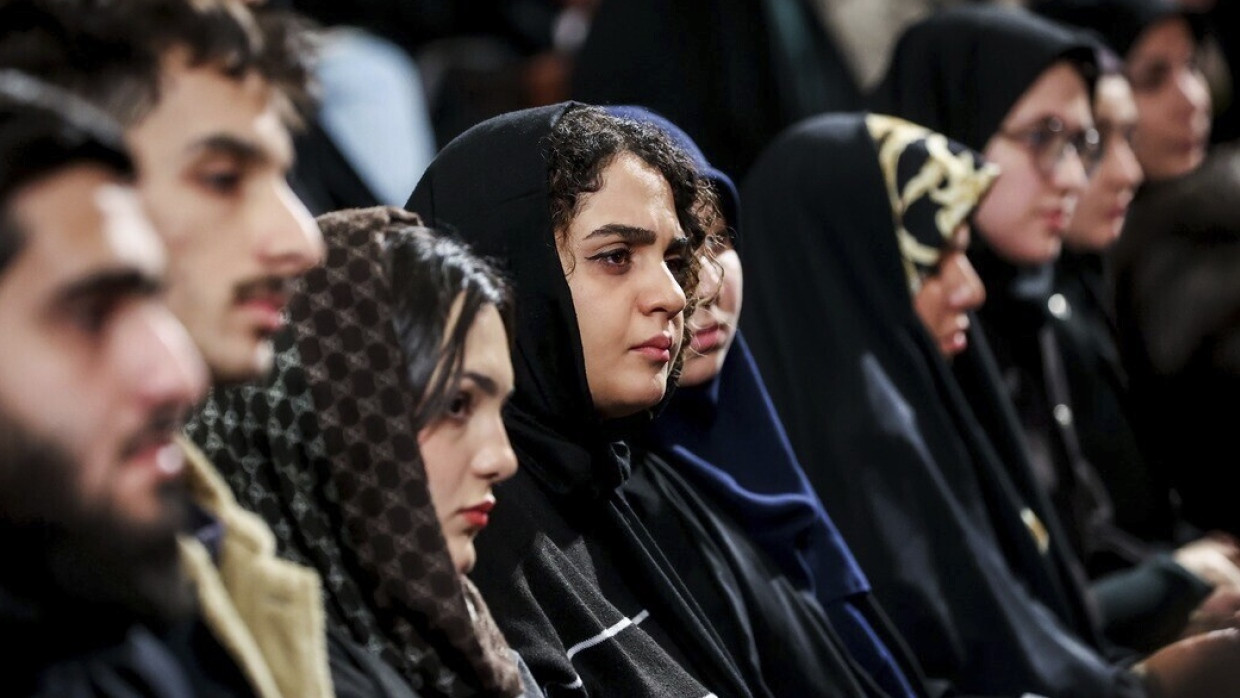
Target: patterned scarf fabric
933, 184
325, 451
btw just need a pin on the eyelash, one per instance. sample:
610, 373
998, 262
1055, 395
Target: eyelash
618, 261
460, 407
221, 181
91, 316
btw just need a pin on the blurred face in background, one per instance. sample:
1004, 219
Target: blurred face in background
1042, 150
714, 321
97, 379
1103, 206
947, 296
1173, 101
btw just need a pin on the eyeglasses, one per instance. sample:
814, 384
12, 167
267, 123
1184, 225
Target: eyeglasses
1049, 141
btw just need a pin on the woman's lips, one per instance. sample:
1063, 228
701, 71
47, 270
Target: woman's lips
707, 339
657, 348
478, 515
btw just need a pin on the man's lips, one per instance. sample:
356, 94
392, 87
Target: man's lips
657, 348
268, 310
478, 515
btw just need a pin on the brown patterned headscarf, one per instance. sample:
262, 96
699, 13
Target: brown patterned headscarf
327, 453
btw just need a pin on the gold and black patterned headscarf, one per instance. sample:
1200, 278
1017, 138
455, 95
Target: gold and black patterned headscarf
934, 185
327, 453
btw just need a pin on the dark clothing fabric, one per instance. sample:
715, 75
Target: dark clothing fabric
732, 73
1141, 495
728, 451
359, 673
47, 659
582, 591
779, 634
960, 70
962, 550
316, 450
209, 667
1177, 301
1119, 22
1027, 325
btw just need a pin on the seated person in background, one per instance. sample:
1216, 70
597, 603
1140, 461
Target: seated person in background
1175, 298
596, 219
717, 485
96, 379
1039, 130
379, 473
843, 215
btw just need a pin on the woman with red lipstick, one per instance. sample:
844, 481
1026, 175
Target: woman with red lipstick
596, 219
374, 450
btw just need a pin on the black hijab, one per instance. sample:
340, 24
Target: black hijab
491, 184
961, 70
962, 553
1119, 22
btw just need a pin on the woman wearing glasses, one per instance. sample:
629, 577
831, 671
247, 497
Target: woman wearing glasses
1046, 146
1175, 311
933, 483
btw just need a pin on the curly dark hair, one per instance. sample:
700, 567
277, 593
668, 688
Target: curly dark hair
587, 139
110, 52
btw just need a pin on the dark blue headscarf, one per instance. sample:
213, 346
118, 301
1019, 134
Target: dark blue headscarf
726, 438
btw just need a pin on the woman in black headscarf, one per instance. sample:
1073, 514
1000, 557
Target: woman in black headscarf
961, 553
377, 355
1042, 139
596, 220
716, 483
1171, 311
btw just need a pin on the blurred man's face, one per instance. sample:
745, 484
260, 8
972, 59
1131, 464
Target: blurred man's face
96, 377
212, 159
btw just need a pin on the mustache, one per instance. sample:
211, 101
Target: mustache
261, 288
164, 423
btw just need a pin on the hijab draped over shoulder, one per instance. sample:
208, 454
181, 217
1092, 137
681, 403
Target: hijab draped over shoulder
326, 452
580, 588
841, 214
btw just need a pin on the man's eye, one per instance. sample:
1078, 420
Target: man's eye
91, 316
223, 182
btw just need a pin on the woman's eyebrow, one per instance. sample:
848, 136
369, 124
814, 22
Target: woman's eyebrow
629, 233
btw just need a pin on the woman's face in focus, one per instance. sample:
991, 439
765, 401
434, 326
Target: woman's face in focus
714, 321
1041, 175
1173, 101
1100, 214
947, 296
466, 449
621, 256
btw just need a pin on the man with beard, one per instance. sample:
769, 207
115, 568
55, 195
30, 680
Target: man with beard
210, 134
96, 380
